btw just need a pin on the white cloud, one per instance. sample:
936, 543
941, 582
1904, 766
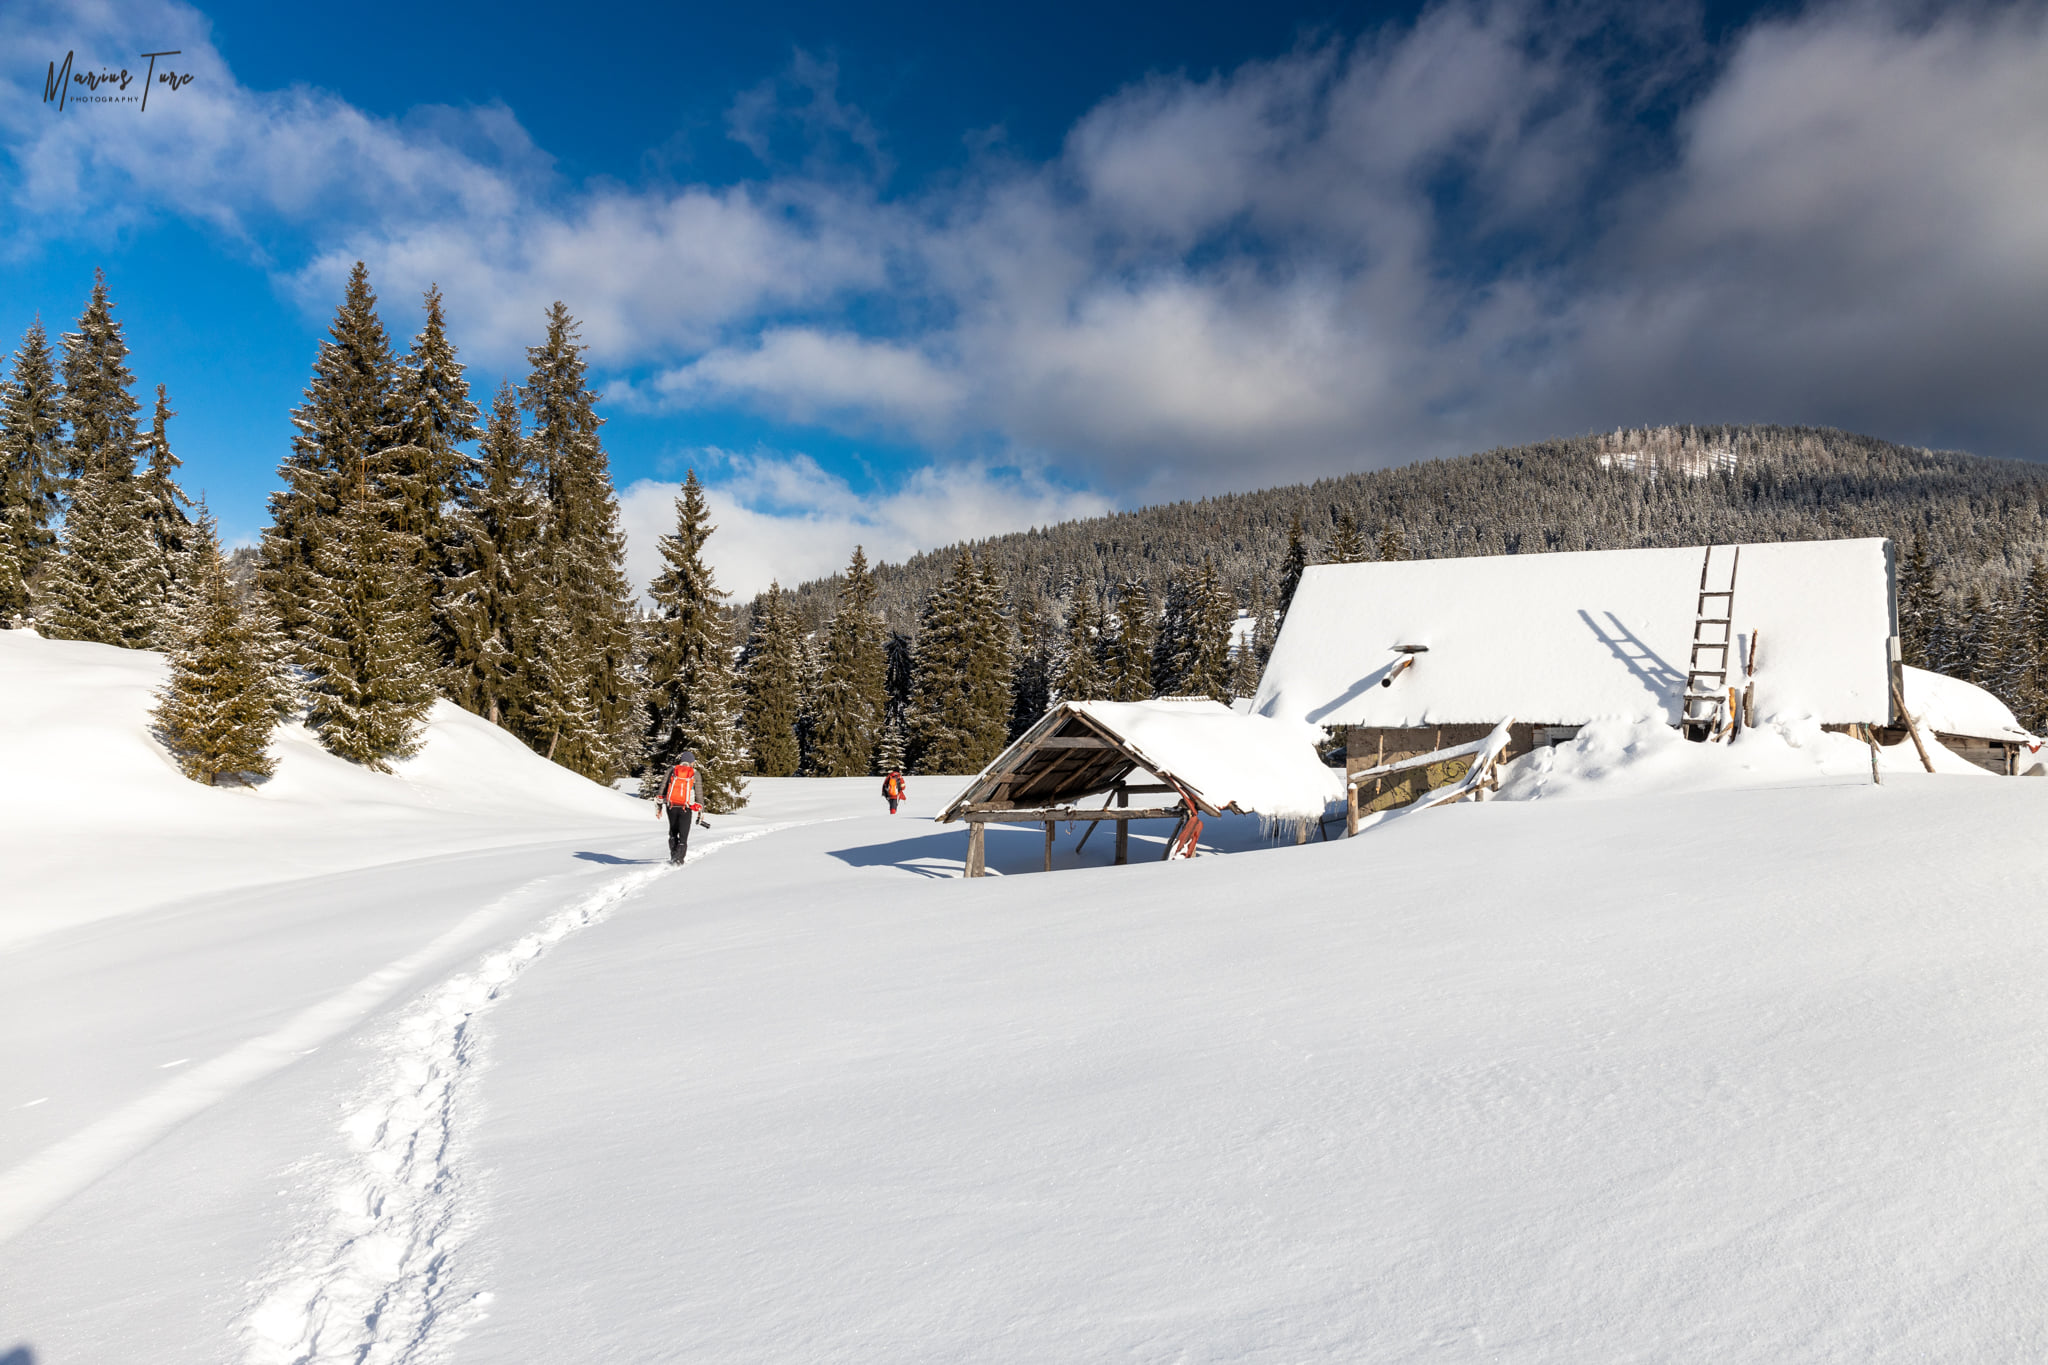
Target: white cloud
782, 516
1437, 237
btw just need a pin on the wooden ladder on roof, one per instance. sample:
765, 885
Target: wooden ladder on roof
1713, 651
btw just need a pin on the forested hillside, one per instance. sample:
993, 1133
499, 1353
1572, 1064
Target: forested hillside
1983, 521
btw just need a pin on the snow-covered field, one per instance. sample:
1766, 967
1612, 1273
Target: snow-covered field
1694, 1053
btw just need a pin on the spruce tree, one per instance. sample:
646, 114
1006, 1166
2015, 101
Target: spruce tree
1919, 602
491, 595
97, 404
590, 717
1347, 543
692, 702
431, 475
941, 718
1129, 664
1077, 674
852, 696
990, 663
107, 585
772, 669
1031, 679
1292, 565
163, 506
31, 472
364, 640
1192, 655
341, 571
222, 700
1393, 545
1264, 628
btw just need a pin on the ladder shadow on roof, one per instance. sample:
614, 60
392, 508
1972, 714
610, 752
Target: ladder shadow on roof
1664, 679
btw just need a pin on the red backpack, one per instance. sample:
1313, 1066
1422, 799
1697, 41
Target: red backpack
682, 786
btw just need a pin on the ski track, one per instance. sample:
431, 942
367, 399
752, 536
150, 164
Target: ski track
368, 1285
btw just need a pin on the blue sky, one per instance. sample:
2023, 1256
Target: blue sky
899, 274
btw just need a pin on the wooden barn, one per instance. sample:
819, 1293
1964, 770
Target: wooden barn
1968, 721
1419, 661
1181, 757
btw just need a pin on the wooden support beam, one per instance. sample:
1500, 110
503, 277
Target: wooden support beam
977, 849
1123, 829
1074, 742
1033, 817
1048, 845
1912, 726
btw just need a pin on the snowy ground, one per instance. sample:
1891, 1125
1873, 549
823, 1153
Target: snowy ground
1717, 1054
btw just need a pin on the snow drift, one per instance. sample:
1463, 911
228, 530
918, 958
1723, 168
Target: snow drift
100, 821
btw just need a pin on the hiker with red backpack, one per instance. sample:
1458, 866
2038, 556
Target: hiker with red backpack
679, 800
893, 789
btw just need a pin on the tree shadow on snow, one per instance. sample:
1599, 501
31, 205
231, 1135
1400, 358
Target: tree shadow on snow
608, 858
20, 1355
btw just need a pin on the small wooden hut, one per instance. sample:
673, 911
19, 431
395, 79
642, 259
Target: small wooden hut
1201, 756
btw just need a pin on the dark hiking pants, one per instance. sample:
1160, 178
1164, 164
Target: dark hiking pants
680, 818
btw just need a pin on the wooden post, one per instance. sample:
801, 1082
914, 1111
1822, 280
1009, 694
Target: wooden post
1912, 726
977, 849
1123, 829
1870, 733
1350, 808
1049, 827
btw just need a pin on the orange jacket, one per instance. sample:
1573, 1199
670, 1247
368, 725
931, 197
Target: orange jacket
892, 786
682, 787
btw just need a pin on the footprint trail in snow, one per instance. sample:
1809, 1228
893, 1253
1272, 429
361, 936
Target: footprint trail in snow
368, 1285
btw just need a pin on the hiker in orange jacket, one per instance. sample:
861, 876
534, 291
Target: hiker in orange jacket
893, 789
680, 801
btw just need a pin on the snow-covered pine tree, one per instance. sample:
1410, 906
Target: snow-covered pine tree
852, 696
340, 436
2026, 673
582, 567
1172, 641
364, 641
890, 753
431, 473
163, 506
341, 573
1393, 545
217, 710
1265, 629
990, 665
31, 473
939, 719
491, 598
97, 404
107, 584
1031, 679
1919, 602
1292, 565
1128, 667
1077, 673
1347, 542
772, 677
692, 701
1192, 656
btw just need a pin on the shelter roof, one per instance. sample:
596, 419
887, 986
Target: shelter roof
1564, 638
1951, 706
1225, 761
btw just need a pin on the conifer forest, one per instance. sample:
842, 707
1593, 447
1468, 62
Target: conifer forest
423, 547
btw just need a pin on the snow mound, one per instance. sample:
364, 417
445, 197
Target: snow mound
1615, 757
99, 821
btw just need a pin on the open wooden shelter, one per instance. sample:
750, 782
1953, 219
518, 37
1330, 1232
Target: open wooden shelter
1198, 753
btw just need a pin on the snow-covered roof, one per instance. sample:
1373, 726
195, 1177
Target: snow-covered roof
1227, 761
1951, 706
1565, 638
